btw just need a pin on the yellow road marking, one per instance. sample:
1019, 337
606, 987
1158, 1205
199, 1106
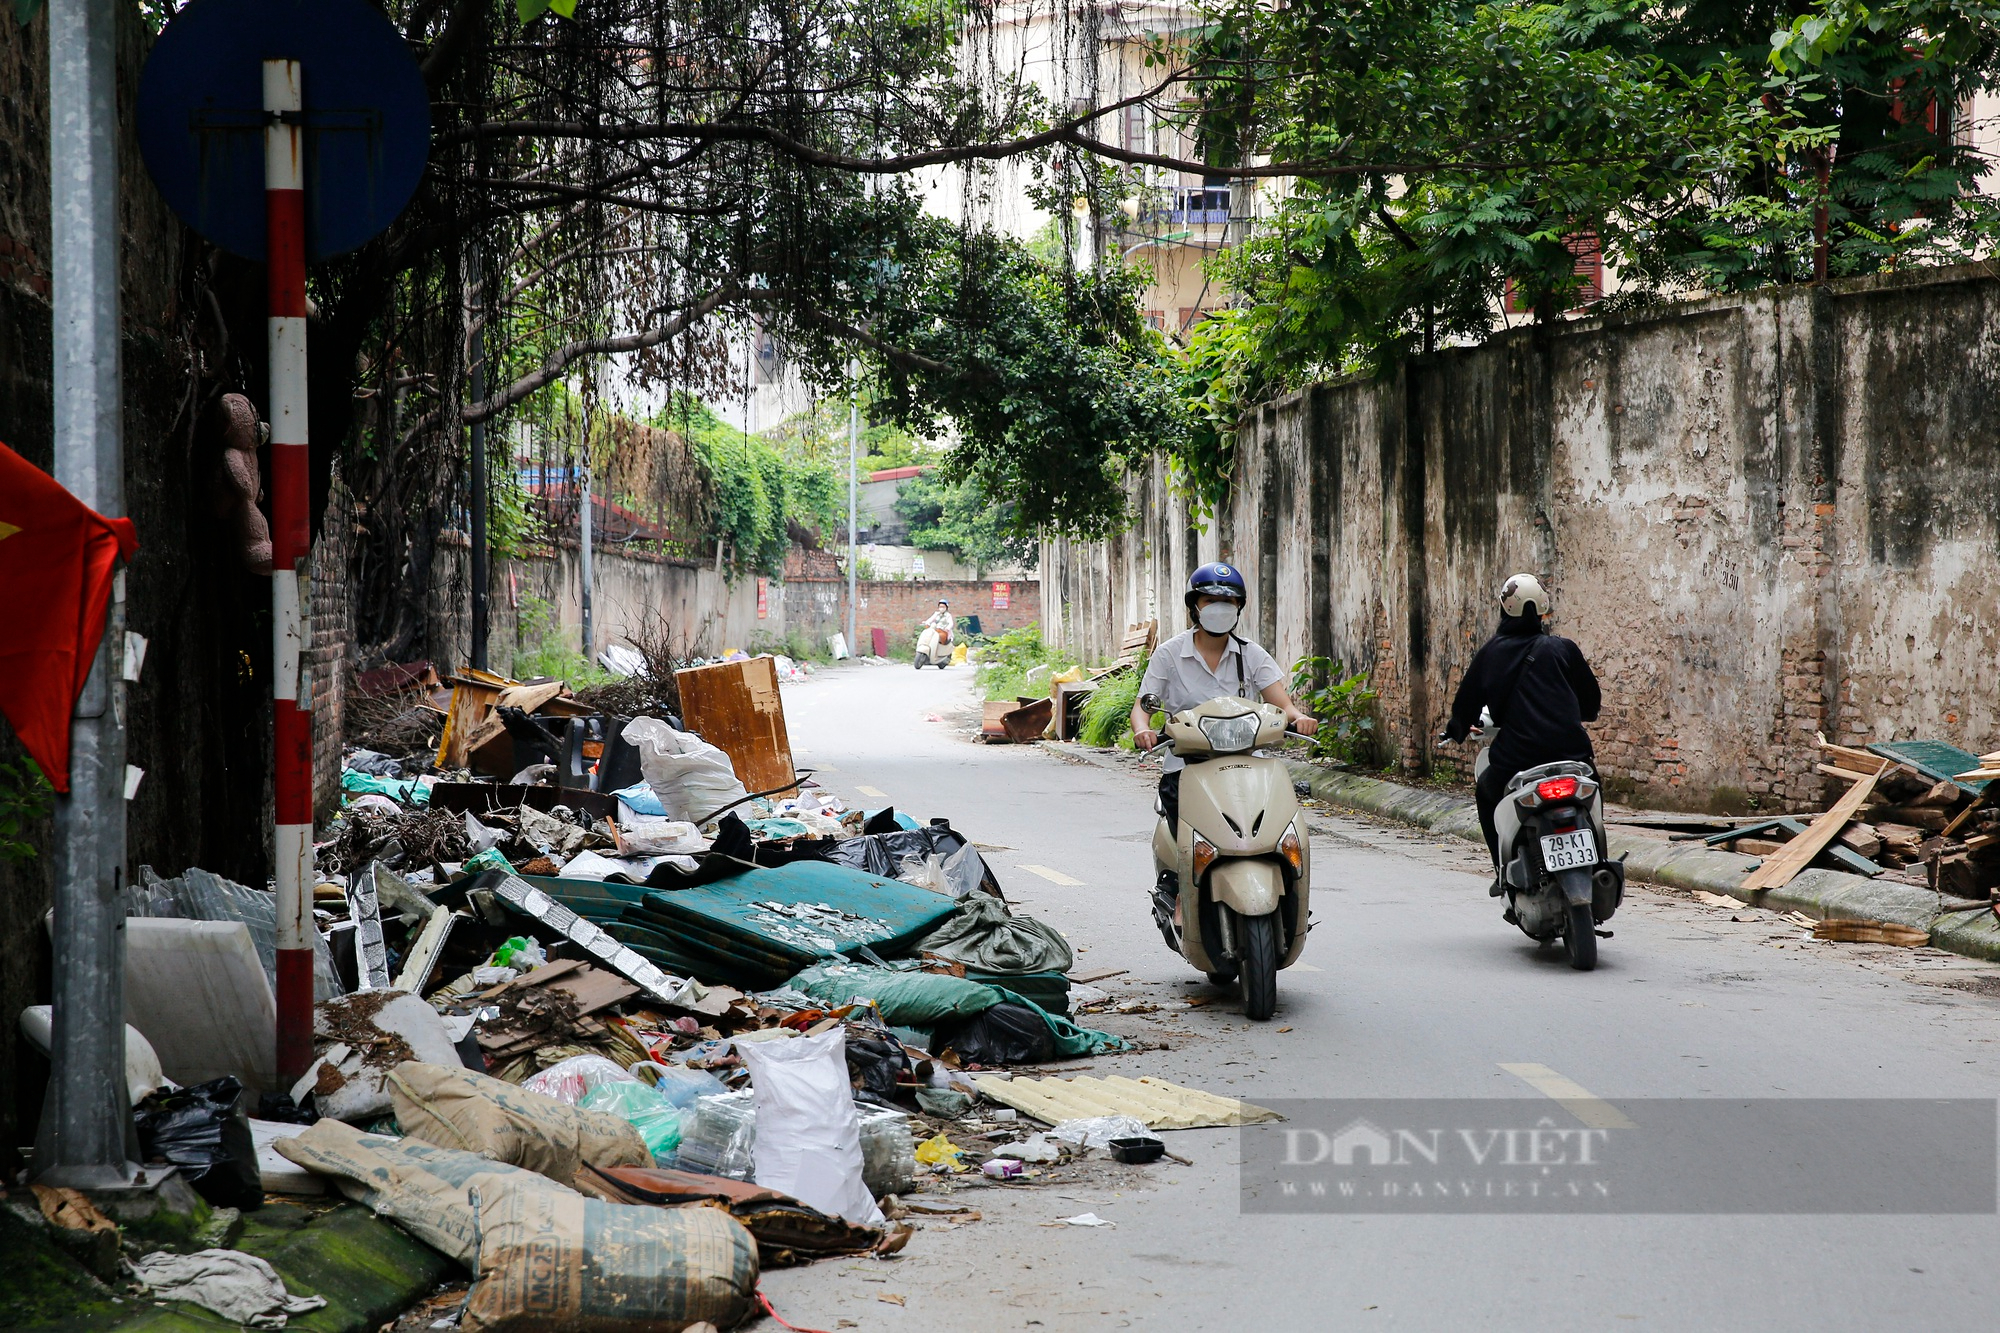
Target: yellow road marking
1054, 876
877, 793
1578, 1100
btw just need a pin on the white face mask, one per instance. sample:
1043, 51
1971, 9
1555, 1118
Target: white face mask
1218, 617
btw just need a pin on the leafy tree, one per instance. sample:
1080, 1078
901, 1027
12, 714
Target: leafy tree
963, 519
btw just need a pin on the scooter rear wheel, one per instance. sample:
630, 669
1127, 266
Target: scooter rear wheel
1220, 978
1257, 941
1581, 939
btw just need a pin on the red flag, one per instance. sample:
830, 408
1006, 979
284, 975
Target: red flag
56, 557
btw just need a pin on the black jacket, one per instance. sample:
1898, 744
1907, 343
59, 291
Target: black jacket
1541, 715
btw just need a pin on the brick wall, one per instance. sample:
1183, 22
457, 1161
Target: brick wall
329, 649
902, 607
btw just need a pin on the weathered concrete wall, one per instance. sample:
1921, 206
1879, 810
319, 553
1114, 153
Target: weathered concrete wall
1761, 517
704, 609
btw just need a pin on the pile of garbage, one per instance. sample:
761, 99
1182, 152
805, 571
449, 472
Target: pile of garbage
553, 1012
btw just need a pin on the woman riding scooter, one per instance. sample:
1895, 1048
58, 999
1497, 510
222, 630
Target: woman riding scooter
1204, 662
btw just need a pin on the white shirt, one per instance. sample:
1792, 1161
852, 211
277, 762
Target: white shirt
942, 620
1177, 673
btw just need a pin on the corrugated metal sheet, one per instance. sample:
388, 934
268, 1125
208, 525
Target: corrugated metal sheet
1162, 1105
1934, 759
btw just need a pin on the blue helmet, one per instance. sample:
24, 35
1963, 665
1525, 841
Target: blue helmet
1216, 580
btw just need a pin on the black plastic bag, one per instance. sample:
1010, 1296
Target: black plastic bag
1006, 1034
202, 1131
875, 1064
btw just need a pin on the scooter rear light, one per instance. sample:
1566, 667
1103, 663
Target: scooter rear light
1556, 789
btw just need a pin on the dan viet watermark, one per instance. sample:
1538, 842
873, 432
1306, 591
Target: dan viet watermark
1533, 1155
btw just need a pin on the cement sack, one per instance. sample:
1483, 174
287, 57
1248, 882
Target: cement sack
808, 1133
457, 1108
545, 1257
691, 778
424, 1190
550, 1259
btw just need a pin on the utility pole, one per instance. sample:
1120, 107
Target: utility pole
853, 508
476, 355
583, 487
87, 1121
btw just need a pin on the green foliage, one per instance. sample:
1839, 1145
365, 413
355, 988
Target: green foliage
1220, 372
758, 488
1006, 659
1473, 150
543, 647
1053, 380
795, 644
963, 519
1344, 705
25, 800
1107, 712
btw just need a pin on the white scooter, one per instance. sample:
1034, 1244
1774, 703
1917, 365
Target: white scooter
933, 649
1555, 866
1231, 887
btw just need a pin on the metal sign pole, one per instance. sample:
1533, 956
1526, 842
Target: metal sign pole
82, 1139
853, 527
285, 268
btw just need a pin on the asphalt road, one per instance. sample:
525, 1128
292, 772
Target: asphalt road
1411, 987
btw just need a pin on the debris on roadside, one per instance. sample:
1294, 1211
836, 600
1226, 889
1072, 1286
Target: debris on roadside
1920, 812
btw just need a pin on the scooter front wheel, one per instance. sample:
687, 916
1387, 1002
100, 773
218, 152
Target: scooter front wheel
1581, 939
1257, 942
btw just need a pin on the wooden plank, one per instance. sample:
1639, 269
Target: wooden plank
1797, 854
735, 707
1845, 775
1860, 761
1963, 817
471, 701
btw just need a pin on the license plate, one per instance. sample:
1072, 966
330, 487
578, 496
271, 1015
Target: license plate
1569, 851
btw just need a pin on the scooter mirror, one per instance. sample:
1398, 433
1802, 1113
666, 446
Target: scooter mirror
1152, 703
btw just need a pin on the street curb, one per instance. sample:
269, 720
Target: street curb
1817, 893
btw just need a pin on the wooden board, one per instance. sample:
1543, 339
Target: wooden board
735, 707
1797, 854
471, 700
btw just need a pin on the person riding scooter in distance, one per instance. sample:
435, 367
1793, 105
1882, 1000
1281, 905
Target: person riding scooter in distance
941, 621
1209, 661
1538, 689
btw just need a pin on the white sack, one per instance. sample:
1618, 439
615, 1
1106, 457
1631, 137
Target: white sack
808, 1134
691, 778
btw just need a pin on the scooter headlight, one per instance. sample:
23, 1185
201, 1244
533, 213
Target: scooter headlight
1204, 855
1227, 735
1293, 848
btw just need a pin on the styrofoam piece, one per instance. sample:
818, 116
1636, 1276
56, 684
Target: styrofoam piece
198, 992
143, 1075
279, 1173
361, 1093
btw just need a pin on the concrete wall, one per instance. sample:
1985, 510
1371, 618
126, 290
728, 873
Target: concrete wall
1761, 517
702, 606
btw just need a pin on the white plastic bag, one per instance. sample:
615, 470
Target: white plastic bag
808, 1134
574, 1079
692, 778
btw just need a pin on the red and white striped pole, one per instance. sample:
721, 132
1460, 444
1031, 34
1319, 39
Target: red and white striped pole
291, 730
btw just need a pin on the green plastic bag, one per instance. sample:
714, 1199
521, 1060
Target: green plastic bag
656, 1118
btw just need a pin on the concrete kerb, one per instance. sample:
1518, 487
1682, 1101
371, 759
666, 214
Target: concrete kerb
1817, 893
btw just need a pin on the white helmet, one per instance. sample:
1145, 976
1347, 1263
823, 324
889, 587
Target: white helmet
1523, 595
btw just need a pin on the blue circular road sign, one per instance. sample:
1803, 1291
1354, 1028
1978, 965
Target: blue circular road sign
367, 122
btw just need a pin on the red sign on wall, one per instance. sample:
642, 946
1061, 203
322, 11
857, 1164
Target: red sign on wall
1002, 592
763, 599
